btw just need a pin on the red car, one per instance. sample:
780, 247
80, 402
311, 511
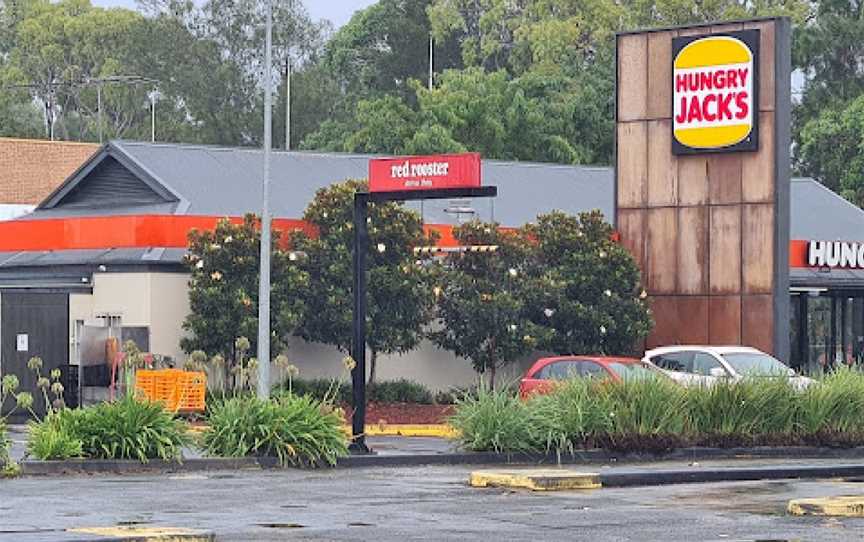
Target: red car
546, 372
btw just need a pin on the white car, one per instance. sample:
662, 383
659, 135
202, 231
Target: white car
705, 365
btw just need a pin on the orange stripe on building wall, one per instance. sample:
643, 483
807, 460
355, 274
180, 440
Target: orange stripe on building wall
136, 231
798, 253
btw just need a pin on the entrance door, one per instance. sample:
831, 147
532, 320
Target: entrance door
33, 324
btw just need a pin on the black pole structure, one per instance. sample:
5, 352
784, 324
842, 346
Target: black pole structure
361, 248
358, 350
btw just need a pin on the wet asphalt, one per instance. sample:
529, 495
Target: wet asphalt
418, 503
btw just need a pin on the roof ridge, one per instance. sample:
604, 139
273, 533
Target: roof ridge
50, 142
335, 154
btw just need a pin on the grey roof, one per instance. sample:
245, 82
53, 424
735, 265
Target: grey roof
207, 180
221, 181
819, 214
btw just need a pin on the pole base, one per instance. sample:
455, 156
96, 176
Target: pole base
359, 447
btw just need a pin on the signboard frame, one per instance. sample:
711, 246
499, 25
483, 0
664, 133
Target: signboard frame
751, 38
470, 189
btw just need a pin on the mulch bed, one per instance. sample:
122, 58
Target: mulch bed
403, 413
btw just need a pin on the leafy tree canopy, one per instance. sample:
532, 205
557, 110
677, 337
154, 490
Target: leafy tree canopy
399, 302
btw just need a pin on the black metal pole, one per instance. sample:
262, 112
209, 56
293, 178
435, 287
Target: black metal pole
358, 345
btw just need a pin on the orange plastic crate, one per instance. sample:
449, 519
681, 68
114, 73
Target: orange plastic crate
191, 391
178, 390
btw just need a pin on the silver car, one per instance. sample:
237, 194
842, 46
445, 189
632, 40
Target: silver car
705, 365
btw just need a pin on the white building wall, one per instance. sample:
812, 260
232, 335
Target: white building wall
161, 301
169, 305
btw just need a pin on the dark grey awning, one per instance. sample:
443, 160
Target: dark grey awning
834, 278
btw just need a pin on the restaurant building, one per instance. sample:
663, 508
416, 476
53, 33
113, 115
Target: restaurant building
103, 251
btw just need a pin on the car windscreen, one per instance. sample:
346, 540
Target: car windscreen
631, 371
755, 364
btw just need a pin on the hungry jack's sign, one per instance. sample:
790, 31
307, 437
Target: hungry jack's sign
715, 87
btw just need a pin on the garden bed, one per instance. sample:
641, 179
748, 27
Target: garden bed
402, 413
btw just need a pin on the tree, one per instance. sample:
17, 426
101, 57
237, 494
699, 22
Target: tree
384, 46
831, 149
561, 285
481, 301
829, 51
585, 287
549, 118
399, 302
223, 289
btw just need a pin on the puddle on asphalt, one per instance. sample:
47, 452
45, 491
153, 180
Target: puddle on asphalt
360, 524
759, 499
281, 525
133, 522
293, 506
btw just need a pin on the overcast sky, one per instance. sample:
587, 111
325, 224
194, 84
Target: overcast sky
338, 11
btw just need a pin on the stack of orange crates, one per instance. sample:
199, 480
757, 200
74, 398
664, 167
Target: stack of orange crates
179, 391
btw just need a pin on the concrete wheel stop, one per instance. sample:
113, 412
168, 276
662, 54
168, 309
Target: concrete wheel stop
848, 506
536, 479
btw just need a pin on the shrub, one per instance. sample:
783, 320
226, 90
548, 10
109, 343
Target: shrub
57, 436
646, 414
399, 391
298, 430
392, 391
498, 421
750, 412
830, 413
4, 445
322, 389
656, 415
132, 429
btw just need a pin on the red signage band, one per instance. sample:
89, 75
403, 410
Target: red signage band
424, 172
141, 231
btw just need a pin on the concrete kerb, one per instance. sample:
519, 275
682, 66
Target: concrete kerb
566, 479
587, 457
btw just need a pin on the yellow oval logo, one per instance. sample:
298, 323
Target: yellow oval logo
713, 92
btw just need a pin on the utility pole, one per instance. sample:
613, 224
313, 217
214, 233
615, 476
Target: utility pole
288, 101
264, 281
288, 66
99, 109
431, 61
152, 116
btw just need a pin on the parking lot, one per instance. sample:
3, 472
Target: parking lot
426, 503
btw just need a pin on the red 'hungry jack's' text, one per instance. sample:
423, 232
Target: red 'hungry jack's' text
713, 95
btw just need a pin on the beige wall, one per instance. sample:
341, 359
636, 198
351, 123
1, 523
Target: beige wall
157, 300
434, 368
161, 301
126, 294
169, 305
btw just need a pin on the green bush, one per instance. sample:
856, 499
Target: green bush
4, 445
656, 415
751, 412
321, 389
388, 391
57, 436
830, 413
399, 391
500, 422
123, 429
298, 430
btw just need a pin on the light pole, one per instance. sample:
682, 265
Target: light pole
264, 281
288, 78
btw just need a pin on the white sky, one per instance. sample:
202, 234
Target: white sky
337, 11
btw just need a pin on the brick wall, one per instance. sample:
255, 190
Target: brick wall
31, 169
